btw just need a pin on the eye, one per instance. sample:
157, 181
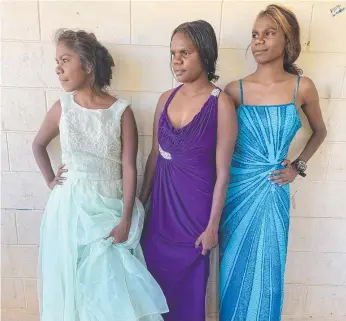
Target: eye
254, 35
65, 60
270, 33
185, 53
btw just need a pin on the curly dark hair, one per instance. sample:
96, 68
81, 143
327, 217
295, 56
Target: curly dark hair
92, 54
203, 37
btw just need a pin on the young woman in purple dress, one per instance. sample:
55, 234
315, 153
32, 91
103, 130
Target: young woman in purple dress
187, 173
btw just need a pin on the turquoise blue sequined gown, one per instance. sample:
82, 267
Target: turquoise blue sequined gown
255, 220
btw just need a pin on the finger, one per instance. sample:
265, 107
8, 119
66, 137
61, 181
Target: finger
111, 236
59, 179
61, 166
286, 162
61, 172
279, 181
198, 242
204, 251
285, 183
281, 175
278, 172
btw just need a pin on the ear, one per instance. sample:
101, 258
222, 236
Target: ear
88, 69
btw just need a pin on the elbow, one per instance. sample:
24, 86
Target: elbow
154, 152
35, 147
152, 158
322, 133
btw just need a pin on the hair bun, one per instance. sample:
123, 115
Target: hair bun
92, 54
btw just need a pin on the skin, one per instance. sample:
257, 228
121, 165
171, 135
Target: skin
270, 84
184, 106
74, 77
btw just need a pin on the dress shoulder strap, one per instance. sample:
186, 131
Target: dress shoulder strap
171, 96
66, 100
241, 92
119, 107
216, 92
296, 90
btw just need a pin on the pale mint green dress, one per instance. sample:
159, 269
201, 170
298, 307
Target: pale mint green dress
83, 276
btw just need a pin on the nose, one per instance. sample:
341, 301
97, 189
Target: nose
176, 59
59, 70
259, 41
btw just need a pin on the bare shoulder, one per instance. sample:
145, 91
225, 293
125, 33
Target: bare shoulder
54, 113
307, 90
225, 100
164, 96
233, 90
128, 112
56, 106
306, 83
163, 99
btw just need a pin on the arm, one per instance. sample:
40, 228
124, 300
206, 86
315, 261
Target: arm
48, 131
129, 139
312, 110
233, 90
227, 130
129, 143
151, 161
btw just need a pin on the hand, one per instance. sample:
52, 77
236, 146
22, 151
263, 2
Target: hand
208, 239
284, 176
58, 180
120, 233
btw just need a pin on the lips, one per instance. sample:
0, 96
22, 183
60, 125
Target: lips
179, 72
259, 52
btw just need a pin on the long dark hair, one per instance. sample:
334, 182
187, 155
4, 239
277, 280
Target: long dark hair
203, 37
92, 54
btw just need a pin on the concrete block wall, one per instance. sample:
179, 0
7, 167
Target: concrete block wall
137, 34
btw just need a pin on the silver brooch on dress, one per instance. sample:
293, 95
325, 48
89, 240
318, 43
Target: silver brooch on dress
215, 92
164, 154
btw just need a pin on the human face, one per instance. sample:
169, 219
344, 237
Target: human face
185, 59
268, 41
72, 75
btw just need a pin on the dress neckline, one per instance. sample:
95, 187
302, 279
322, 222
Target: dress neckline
214, 93
95, 110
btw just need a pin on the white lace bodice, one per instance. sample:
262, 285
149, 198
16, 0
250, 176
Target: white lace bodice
91, 139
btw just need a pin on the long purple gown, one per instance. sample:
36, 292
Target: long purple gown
181, 203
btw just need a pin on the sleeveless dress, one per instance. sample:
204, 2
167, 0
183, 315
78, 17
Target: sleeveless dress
181, 199
83, 276
255, 220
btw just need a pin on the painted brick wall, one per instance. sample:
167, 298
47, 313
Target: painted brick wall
137, 34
